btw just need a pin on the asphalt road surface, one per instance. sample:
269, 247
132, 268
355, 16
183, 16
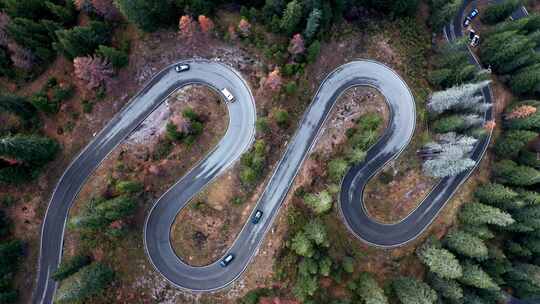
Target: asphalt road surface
213, 276
238, 138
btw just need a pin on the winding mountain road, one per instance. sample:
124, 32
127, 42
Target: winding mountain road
237, 139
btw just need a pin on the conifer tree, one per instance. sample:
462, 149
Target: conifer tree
512, 142
448, 289
479, 214
474, 275
89, 281
466, 244
412, 291
312, 25
369, 291
508, 172
440, 261
498, 195
460, 97
291, 17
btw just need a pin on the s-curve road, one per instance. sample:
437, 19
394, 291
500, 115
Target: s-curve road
238, 138
213, 276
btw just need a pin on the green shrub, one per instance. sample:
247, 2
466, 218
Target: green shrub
41, 101
291, 88
313, 51
126, 187
70, 266
337, 169
281, 117
118, 58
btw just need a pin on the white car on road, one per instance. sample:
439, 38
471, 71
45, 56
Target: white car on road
228, 95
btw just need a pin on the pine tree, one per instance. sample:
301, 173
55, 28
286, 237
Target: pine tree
525, 280
82, 40
34, 37
89, 281
302, 245
456, 123
368, 291
443, 12
482, 231
512, 142
460, 97
148, 15
527, 219
526, 80
313, 51
529, 197
312, 25
440, 261
116, 57
21, 107
508, 172
475, 276
30, 149
411, 291
498, 195
479, 214
528, 158
316, 231
448, 289
292, 16
466, 244
320, 203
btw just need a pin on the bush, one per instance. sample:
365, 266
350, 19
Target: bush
127, 187
89, 281
337, 169
118, 58
82, 40
313, 51
41, 101
291, 88
281, 117
70, 266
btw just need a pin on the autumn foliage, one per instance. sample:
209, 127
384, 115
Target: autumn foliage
186, 26
521, 112
490, 125
206, 24
296, 46
273, 81
244, 27
92, 71
106, 9
22, 58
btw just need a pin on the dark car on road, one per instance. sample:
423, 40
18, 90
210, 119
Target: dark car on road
470, 17
257, 217
227, 260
